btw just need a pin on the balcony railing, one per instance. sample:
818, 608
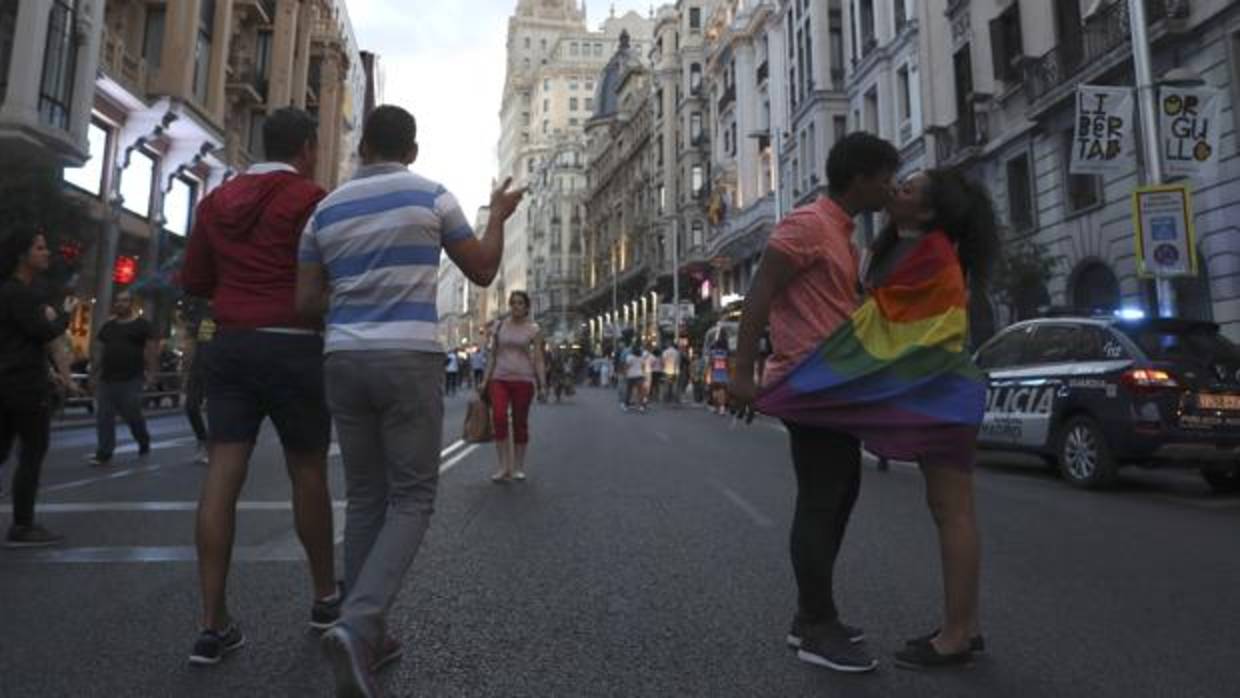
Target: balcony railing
964, 138
727, 98
1102, 33
125, 68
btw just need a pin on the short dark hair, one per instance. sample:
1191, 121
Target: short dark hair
520, 294
859, 154
390, 132
14, 245
286, 131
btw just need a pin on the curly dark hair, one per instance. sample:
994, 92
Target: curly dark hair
963, 209
522, 295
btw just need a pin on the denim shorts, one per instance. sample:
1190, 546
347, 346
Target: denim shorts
251, 375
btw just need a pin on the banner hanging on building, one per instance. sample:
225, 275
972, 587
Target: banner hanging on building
1189, 128
1103, 141
1162, 217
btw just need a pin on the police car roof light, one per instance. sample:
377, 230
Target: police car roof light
1130, 314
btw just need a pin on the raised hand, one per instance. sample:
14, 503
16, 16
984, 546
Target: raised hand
504, 202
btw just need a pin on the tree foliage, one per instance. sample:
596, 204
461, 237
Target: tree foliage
1021, 275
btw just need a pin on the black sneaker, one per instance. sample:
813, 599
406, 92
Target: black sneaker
800, 626
829, 646
925, 656
351, 664
325, 612
212, 645
144, 450
977, 643
32, 536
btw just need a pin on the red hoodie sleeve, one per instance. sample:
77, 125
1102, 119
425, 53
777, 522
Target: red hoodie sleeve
198, 271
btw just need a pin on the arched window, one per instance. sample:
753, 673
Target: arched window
1095, 287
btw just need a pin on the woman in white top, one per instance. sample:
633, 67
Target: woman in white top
515, 370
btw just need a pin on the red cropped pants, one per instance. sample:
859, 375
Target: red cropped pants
518, 394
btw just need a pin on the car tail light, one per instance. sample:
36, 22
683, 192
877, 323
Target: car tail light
1149, 379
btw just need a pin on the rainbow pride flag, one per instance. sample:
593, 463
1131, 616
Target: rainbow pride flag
897, 374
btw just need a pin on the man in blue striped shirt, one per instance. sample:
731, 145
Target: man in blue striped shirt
369, 260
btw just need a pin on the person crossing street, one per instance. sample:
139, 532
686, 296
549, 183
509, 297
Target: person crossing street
128, 362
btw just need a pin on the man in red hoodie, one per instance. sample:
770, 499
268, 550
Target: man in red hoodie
265, 361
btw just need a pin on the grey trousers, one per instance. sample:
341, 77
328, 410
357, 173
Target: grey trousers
388, 409
123, 398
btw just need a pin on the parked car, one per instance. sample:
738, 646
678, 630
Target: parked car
1094, 394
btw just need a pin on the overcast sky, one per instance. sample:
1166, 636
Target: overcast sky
444, 61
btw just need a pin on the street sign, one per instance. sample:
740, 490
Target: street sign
1103, 140
1189, 129
1162, 218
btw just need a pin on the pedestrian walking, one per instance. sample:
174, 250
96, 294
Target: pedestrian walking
652, 367
453, 370
634, 375
718, 373
805, 288
478, 366
655, 371
200, 329
28, 326
671, 374
265, 362
385, 367
128, 362
516, 372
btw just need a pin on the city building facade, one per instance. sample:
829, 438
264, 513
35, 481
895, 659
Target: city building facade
167, 102
1003, 108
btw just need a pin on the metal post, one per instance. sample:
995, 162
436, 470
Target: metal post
1148, 99
676, 283
776, 143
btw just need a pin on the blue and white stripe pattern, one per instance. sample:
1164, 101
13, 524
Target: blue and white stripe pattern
379, 237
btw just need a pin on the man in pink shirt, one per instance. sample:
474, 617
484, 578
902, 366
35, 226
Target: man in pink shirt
806, 287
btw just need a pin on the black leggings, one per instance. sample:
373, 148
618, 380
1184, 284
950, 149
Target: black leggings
828, 471
28, 420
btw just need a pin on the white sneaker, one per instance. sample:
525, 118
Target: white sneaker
200, 455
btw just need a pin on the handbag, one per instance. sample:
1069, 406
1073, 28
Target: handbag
478, 427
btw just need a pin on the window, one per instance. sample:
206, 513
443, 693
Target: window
868, 41
1006, 45
572, 84
589, 104
179, 205
546, 105
839, 125
813, 155
546, 124
527, 42
904, 95
89, 177
1053, 344
572, 104
137, 180
697, 233
695, 19
573, 48
8, 27
525, 118
153, 35
901, 15
1020, 197
695, 78
573, 121
202, 50
255, 143
598, 49
262, 63
871, 111
589, 85
546, 84
1080, 191
1004, 351
836, 38
695, 127
697, 182
542, 44
59, 65
1235, 82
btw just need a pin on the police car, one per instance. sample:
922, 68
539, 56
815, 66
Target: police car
1093, 394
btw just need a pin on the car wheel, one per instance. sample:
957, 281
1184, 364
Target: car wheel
1084, 456
1223, 480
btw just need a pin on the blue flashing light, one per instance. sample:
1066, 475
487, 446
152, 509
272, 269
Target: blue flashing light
1130, 314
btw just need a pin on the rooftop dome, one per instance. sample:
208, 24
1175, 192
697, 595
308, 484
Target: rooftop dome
607, 96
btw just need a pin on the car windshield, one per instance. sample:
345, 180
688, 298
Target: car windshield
1198, 343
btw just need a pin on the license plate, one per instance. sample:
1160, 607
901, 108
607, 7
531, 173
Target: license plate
1218, 402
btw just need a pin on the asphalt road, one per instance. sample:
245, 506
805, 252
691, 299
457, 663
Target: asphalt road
646, 556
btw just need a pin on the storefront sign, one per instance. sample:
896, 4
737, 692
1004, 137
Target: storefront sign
1163, 220
1189, 128
1103, 139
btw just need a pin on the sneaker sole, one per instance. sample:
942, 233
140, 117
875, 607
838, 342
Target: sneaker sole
199, 660
795, 642
844, 668
344, 668
321, 626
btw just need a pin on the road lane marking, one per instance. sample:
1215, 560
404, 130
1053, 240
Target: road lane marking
458, 457
103, 478
760, 519
663, 437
